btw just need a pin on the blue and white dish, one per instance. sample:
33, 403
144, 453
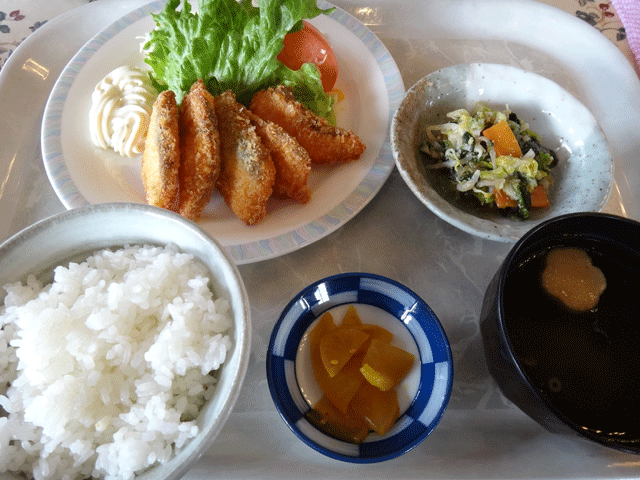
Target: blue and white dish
423, 395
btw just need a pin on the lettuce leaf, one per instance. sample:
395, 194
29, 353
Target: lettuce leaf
233, 45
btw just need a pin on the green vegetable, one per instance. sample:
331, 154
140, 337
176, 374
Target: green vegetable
233, 46
523, 197
469, 158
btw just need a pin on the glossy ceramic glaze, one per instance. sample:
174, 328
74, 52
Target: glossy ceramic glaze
582, 180
426, 388
616, 237
75, 234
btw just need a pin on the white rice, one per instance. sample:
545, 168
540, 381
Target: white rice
103, 371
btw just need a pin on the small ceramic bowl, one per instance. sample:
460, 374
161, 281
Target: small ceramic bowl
76, 234
422, 395
582, 180
573, 370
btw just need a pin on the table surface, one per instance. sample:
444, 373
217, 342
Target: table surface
20, 18
481, 434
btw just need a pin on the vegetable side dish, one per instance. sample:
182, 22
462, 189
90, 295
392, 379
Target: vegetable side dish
493, 156
357, 368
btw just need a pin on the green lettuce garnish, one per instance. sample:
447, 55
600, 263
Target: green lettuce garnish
233, 45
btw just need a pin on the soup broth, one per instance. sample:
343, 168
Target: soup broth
586, 362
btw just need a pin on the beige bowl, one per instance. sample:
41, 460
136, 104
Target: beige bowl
582, 181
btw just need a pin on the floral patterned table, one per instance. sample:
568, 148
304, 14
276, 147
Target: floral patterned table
20, 18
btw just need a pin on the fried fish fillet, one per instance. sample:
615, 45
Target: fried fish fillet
292, 162
325, 143
161, 156
199, 150
247, 172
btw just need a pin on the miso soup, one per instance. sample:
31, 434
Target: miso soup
586, 362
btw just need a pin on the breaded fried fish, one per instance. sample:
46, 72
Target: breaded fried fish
161, 156
292, 162
199, 150
325, 143
247, 173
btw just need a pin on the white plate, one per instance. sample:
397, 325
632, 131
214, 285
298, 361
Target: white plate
82, 173
581, 182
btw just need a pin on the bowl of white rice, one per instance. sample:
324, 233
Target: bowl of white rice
124, 343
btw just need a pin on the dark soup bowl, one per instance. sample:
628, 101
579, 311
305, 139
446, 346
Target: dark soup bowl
561, 328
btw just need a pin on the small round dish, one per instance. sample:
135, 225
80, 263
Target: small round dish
423, 395
582, 180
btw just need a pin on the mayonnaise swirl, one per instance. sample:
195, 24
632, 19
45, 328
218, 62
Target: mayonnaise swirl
120, 108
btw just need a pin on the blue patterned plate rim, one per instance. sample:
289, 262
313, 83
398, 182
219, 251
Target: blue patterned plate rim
436, 368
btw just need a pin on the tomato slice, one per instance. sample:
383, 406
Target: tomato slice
309, 46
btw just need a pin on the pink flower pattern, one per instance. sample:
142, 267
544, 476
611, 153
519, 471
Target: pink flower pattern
602, 16
8, 40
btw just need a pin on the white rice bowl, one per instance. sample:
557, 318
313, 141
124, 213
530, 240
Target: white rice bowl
105, 367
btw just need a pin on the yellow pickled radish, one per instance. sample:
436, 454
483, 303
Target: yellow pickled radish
327, 418
357, 370
342, 387
384, 365
376, 331
338, 346
351, 317
380, 409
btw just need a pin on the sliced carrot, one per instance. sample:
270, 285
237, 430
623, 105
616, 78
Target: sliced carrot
503, 139
503, 200
539, 197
